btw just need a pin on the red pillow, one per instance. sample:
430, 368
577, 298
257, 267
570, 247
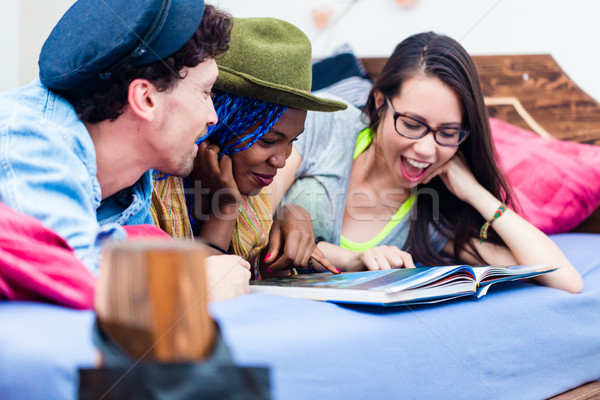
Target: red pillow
556, 182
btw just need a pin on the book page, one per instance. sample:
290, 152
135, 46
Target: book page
490, 274
388, 281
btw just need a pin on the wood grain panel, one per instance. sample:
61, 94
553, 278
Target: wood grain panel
589, 391
547, 93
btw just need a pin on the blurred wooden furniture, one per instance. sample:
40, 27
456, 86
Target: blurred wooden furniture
151, 300
588, 391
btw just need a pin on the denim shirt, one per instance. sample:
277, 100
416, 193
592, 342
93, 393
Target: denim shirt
48, 170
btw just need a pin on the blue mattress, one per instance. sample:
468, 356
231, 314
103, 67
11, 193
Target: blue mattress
519, 342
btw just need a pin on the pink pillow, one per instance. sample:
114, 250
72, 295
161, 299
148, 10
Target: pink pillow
38, 265
145, 231
557, 183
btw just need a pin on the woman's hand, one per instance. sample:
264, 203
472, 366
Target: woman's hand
385, 257
227, 276
376, 258
458, 177
525, 244
217, 176
293, 229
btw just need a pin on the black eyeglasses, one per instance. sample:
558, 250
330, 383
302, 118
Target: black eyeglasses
413, 129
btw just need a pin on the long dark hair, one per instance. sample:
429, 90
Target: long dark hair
439, 56
210, 39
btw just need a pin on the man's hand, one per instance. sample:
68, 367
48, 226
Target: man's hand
227, 276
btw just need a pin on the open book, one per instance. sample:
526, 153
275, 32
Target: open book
397, 286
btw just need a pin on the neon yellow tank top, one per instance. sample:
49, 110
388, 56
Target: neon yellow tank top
363, 140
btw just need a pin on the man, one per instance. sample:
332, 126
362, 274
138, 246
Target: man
124, 88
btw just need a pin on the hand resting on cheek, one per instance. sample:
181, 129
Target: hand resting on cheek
457, 176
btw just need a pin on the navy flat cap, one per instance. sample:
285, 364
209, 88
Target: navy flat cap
95, 37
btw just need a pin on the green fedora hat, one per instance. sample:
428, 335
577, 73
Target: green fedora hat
271, 60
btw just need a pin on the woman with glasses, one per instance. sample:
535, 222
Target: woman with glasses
413, 177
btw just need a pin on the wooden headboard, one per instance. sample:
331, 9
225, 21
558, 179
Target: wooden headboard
533, 92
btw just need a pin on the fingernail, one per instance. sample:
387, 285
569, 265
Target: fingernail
269, 270
338, 270
267, 256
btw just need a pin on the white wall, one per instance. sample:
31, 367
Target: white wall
569, 30
9, 43
24, 26
38, 17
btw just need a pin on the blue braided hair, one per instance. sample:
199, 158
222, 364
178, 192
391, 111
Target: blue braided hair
237, 115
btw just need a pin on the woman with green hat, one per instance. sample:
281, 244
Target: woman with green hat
261, 98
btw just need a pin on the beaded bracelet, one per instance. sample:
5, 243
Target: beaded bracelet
483, 233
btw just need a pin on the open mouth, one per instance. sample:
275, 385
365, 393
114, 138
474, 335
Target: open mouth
413, 170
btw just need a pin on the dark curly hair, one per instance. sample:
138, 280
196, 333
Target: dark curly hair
210, 40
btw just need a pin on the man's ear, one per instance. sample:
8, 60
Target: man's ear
142, 98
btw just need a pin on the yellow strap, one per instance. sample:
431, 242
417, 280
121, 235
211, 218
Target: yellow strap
363, 140
398, 216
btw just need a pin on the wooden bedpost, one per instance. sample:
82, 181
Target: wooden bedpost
151, 300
